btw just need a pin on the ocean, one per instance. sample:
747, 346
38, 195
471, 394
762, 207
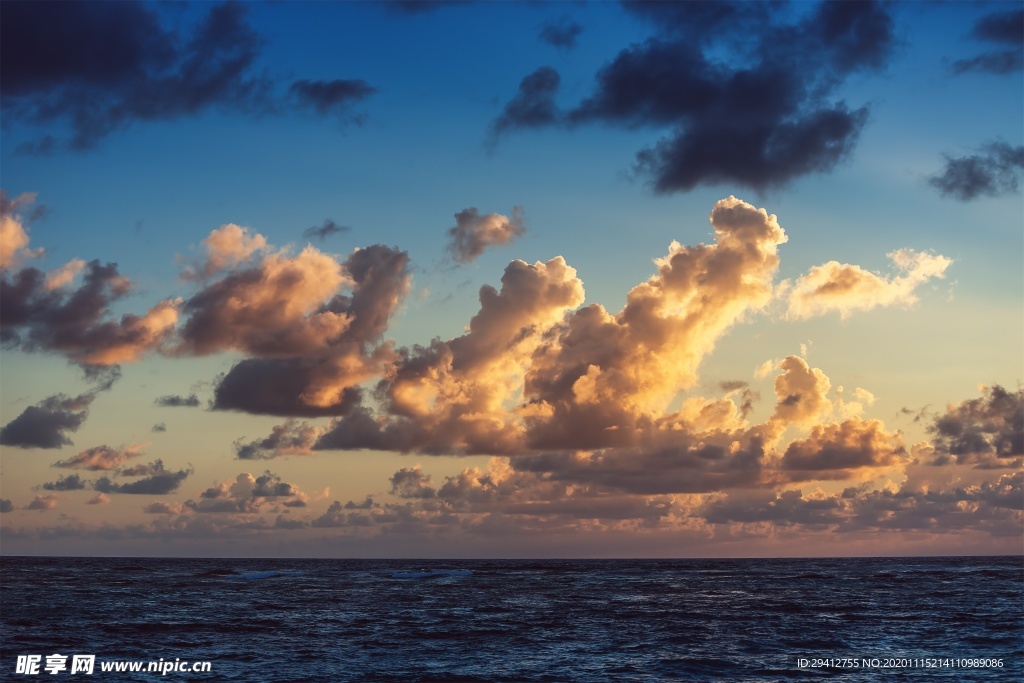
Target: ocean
277, 620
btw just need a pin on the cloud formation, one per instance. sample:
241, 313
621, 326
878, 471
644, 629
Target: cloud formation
226, 247
762, 119
986, 432
561, 33
330, 97
47, 502
101, 67
996, 169
46, 424
40, 315
175, 401
72, 482
14, 238
473, 233
326, 230
100, 458
159, 482
248, 494
290, 438
846, 288
311, 354
1004, 29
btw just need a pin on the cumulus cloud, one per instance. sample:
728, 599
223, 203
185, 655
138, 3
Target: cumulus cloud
100, 458
1004, 29
99, 499
248, 494
473, 233
46, 424
226, 247
533, 374
995, 170
841, 451
176, 401
848, 288
763, 118
160, 481
14, 238
6, 505
326, 230
411, 482
162, 508
986, 432
451, 395
311, 343
47, 502
38, 317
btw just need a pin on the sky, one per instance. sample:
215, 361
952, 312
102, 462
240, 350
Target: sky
503, 279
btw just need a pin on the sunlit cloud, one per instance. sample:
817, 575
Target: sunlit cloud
848, 288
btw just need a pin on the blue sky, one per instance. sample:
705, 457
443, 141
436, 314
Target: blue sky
885, 138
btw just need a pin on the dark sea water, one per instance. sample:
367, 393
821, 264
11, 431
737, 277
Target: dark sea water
510, 620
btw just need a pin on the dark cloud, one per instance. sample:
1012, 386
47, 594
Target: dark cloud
992, 507
38, 316
175, 401
6, 505
687, 466
838, 451
100, 67
269, 485
72, 482
983, 432
787, 508
46, 424
472, 233
272, 386
289, 438
1005, 29
533, 107
326, 230
761, 120
420, 6
160, 482
995, 170
367, 504
561, 33
411, 482
326, 97
159, 427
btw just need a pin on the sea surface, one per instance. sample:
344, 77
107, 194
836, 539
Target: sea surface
928, 619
